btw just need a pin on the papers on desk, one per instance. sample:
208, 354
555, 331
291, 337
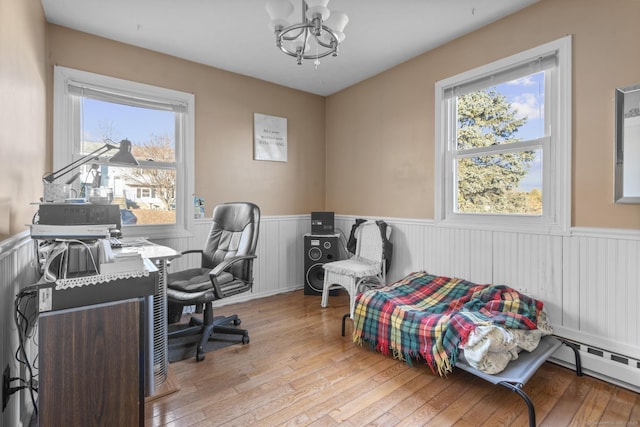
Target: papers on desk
123, 262
131, 242
94, 231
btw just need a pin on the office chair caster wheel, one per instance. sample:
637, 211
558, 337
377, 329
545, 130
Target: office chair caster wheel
245, 339
237, 322
200, 354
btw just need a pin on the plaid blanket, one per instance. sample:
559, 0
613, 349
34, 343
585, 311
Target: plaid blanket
429, 317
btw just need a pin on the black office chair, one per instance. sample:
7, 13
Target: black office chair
226, 269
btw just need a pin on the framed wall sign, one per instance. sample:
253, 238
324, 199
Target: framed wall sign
269, 138
627, 167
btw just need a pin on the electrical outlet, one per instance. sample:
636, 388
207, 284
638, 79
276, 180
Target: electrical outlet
6, 387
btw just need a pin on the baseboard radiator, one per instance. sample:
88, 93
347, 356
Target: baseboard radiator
600, 363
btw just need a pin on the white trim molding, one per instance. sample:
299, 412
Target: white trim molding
555, 144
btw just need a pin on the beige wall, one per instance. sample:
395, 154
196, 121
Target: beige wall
380, 133
225, 103
22, 111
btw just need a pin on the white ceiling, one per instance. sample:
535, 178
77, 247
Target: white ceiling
233, 34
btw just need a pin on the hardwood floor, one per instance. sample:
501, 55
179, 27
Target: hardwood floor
299, 370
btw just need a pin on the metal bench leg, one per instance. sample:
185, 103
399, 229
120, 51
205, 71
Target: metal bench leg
576, 352
344, 319
521, 393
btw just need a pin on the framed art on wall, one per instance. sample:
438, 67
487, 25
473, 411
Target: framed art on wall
269, 138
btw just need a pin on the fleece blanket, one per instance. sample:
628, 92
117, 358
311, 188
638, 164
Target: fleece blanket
431, 317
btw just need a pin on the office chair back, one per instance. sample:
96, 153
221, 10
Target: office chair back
234, 231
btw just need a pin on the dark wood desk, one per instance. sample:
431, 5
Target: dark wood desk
90, 366
91, 353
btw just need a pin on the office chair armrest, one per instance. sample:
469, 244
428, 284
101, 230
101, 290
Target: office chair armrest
192, 251
224, 265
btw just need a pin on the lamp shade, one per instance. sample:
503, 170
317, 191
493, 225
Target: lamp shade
279, 9
318, 10
318, 7
316, 3
124, 156
337, 21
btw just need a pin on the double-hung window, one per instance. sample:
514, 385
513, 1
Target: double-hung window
91, 110
503, 142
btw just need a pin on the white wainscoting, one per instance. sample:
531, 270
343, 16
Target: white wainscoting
279, 265
588, 280
17, 270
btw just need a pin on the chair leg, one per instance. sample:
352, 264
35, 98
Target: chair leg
207, 329
344, 319
209, 325
229, 325
352, 302
206, 334
325, 291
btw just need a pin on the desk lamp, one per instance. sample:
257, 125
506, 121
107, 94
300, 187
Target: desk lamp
123, 156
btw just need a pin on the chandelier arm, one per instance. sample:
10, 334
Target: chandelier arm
281, 35
291, 38
288, 52
306, 40
334, 38
305, 27
321, 55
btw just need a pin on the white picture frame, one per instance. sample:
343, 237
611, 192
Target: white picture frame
269, 138
627, 134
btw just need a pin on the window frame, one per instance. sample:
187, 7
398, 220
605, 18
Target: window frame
67, 133
556, 147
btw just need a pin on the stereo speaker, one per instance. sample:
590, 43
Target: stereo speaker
318, 250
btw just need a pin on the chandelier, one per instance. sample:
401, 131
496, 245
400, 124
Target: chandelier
317, 35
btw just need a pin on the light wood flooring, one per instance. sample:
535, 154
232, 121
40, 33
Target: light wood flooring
299, 370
